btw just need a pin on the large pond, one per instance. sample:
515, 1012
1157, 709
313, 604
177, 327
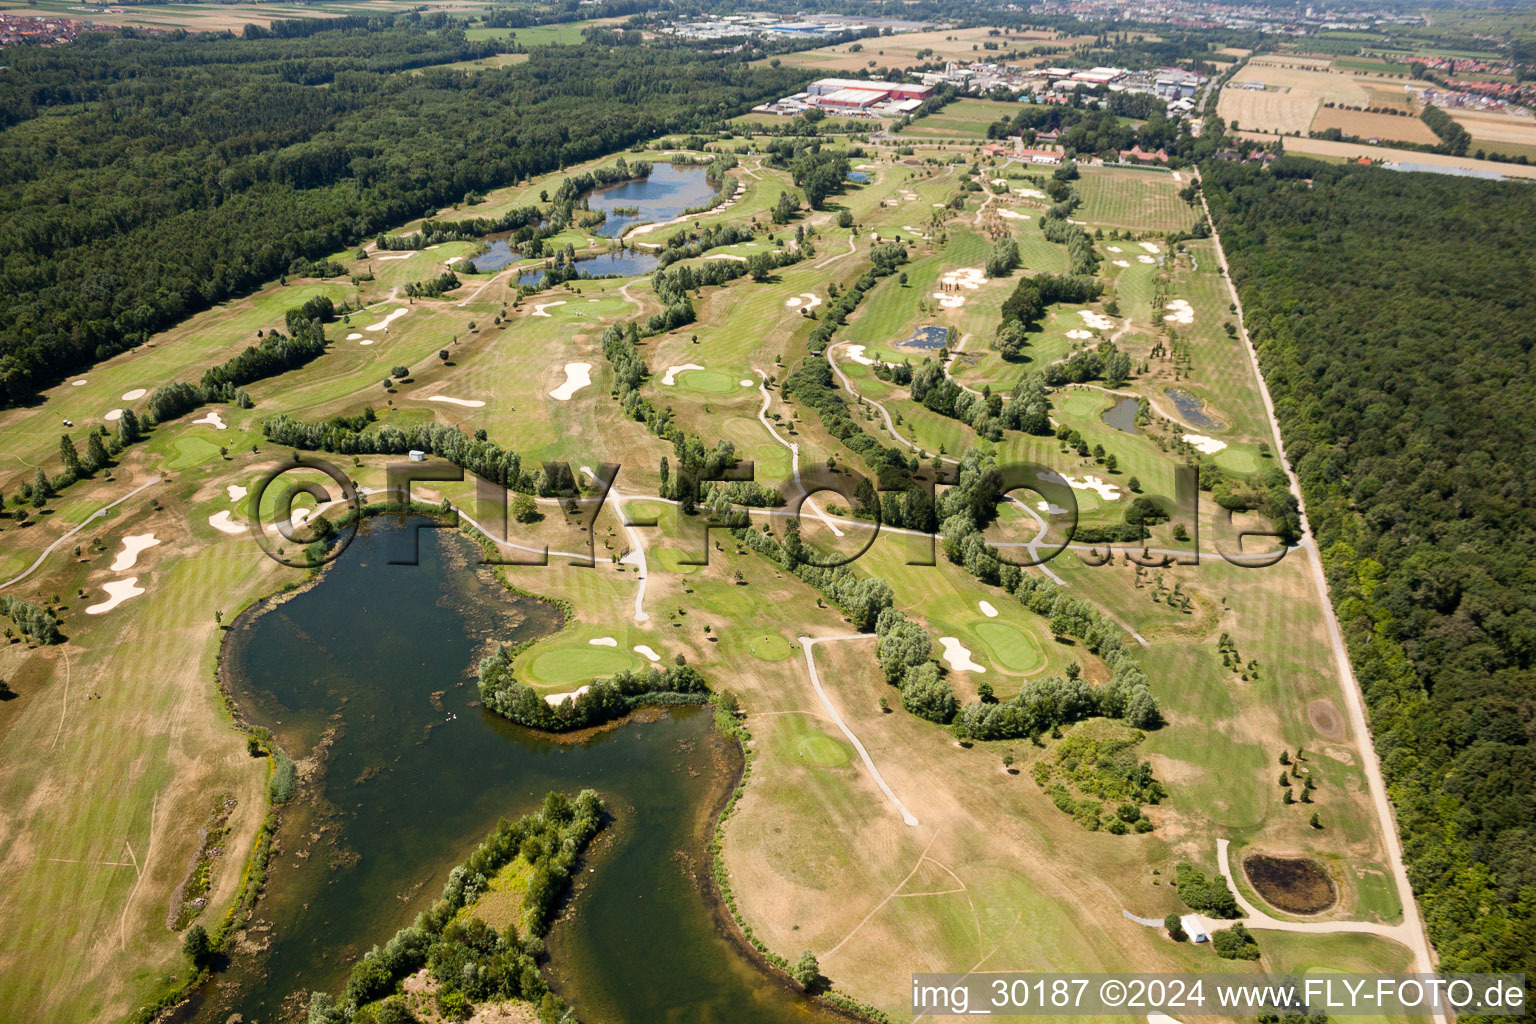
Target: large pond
669, 191
625, 262
1192, 410
372, 670
1122, 415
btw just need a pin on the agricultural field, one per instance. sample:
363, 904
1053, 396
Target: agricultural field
881, 840
962, 119
1496, 132
901, 51
1366, 125
1295, 89
1326, 149
216, 17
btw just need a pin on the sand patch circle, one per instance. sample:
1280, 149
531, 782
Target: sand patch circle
117, 592
1078, 334
354, 336
132, 545
1114, 248
134, 395
577, 376
1145, 259
78, 383
1325, 718
113, 415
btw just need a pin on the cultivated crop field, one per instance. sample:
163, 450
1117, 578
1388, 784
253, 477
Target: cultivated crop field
1135, 200
1366, 125
901, 51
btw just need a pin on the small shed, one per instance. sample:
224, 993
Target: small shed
1194, 926
417, 455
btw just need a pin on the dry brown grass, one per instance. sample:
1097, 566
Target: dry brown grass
1351, 150
1366, 125
1494, 127
1296, 88
901, 51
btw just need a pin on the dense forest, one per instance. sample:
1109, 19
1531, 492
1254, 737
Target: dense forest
1404, 387
146, 177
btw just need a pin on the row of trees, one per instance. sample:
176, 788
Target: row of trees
602, 700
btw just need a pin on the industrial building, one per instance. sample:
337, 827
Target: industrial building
824, 90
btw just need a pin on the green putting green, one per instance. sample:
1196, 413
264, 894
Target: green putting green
1237, 460
709, 382
578, 664
770, 647
191, 451
823, 751
642, 510
1010, 647
1081, 403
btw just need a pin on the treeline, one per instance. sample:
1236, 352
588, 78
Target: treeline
433, 287
240, 165
36, 623
467, 958
1454, 139
601, 700
1403, 391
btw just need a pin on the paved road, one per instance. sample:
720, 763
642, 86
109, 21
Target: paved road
1413, 934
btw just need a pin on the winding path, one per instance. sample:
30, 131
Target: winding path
1412, 931
809, 644
794, 455
29, 570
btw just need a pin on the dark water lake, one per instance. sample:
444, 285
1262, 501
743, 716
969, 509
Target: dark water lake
859, 176
374, 667
626, 262
497, 256
669, 191
1192, 410
1122, 415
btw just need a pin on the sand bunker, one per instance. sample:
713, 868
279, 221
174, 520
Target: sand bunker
669, 378
354, 336
603, 641
744, 383
451, 260
967, 278
1114, 248
214, 420
134, 395
1208, 445
220, 521
1029, 193
540, 309
1078, 334
132, 545
556, 698
235, 492
1050, 508
118, 591
1145, 259
726, 256
1122, 263
113, 415
78, 383
987, 609
913, 230
958, 656
366, 341
856, 353
1097, 321
577, 376
384, 324
1013, 215
645, 652
468, 403
1151, 247
398, 256
810, 300
1104, 489
1181, 312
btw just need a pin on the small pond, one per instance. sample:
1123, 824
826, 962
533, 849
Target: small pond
1192, 410
624, 262
669, 191
1122, 415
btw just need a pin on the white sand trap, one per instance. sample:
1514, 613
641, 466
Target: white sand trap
118, 591
113, 415
577, 376
235, 492
132, 545
913, 230
1180, 312
434, 247
668, 378
937, 206
1029, 193
220, 521
726, 256
78, 383
987, 609
1050, 508
865, 167
1122, 263
1145, 259
398, 256
1114, 248
1151, 247
856, 353
603, 641
468, 403
958, 656
744, 383
451, 260
384, 324
556, 698
792, 303
1078, 334
214, 420
366, 341
644, 651
810, 300
1013, 215
949, 301
354, 336
1104, 489
1000, 181
969, 278
1177, 176
1097, 321
134, 395
540, 309
1208, 445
